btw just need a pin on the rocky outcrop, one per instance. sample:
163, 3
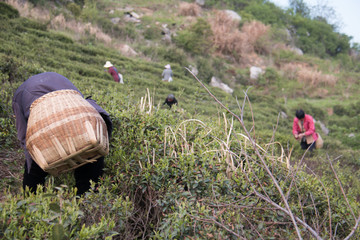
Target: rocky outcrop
233, 15
200, 2
255, 72
217, 83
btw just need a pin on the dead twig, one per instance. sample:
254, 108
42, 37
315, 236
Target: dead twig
289, 212
341, 187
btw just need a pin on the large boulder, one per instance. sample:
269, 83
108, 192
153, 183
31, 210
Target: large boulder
233, 15
255, 72
193, 69
217, 83
324, 129
126, 50
297, 50
200, 2
132, 17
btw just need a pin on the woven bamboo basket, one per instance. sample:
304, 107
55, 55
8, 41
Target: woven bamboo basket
65, 132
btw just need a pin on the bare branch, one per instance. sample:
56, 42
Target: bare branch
217, 223
310, 229
341, 187
354, 229
289, 212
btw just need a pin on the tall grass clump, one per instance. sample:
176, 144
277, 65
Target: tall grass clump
27, 9
229, 40
310, 76
189, 9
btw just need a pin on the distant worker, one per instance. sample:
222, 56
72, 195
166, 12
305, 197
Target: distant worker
167, 74
114, 72
170, 100
304, 131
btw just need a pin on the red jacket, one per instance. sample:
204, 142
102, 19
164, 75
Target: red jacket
309, 126
114, 74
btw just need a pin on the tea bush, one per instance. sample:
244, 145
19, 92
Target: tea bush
186, 172
196, 39
8, 11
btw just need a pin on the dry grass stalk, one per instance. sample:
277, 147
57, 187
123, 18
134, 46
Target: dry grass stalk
287, 208
229, 40
27, 10
315, 78
146, 103
189, 9
60, 23
308, 75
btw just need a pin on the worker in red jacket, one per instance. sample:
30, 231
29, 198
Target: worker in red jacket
114, 72
304, 130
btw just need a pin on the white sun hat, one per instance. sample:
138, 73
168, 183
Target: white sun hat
167, 66
108, 64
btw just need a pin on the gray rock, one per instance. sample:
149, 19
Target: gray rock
115, 20
297, 50
217, 83
255, 72
324, 129
200, 2
193, 69
131, 17
127, 50
233, 15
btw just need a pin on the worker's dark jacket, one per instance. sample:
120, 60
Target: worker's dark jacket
170, 101
35, 87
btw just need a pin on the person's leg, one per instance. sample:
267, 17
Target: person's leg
90, 171
34, 177
312, 146
303, 145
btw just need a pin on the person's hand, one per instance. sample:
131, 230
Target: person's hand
296, 136
301, 135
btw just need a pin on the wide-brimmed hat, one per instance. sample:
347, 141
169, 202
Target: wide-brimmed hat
108, 64
167, 66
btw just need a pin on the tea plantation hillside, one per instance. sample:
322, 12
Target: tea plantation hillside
195, 171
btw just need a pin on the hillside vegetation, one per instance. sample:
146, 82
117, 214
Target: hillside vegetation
224, 168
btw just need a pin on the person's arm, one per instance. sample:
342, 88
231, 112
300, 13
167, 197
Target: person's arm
21, 124
295, 130
311, 126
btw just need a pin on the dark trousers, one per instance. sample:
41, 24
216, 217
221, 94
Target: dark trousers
305, 146
83, 175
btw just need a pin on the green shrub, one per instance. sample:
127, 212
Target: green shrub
8, 11
74, 9
319, 38
206, 71
267, 13
89, 12
152, 33
196, 39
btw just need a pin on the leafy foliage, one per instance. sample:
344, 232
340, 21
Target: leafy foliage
317, 37
191, 171
196, 38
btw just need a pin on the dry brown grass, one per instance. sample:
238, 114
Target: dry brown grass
27, 10
60, 23
308, 75
229, 40
189, 9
